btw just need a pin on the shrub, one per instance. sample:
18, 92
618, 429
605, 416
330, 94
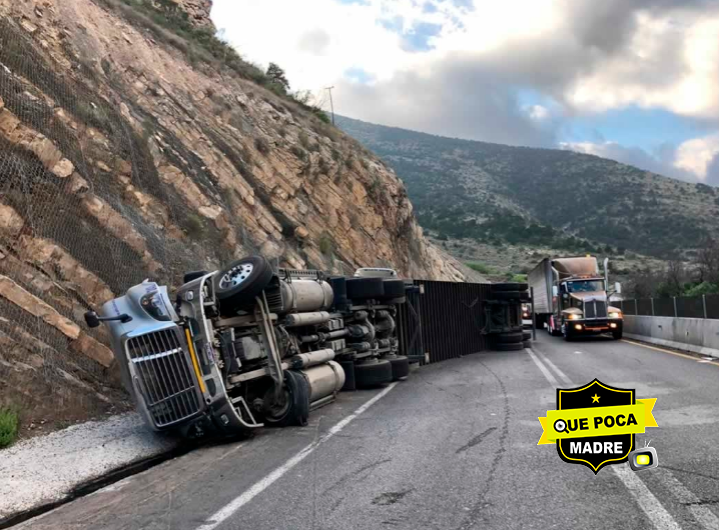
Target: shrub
299, 152
304, 139
195, 226
326, 244
8, 426
479, 267
262, 145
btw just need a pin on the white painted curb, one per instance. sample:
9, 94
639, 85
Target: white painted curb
702, 350
46, 469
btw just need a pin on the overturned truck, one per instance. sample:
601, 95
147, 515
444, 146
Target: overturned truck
248, 346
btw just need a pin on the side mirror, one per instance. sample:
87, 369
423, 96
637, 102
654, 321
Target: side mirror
93, 321
618, 288
555, 290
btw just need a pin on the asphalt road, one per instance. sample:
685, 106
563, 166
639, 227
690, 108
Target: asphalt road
454, 447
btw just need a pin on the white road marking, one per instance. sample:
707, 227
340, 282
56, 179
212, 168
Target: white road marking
701, 513
230, 509
646, 500
578, 352
542, 368
650, 505
706, 361
561, 374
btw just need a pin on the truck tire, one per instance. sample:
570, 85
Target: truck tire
526, 335
393, 289
369, 374
339, 289
509, 338
242, 280
617, 335
349, 368
296, 409
509, 347
363, 288
527, 343
400, 366
565, 333
509, 286
193, 275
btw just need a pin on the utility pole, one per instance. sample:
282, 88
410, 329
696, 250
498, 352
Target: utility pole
332, 105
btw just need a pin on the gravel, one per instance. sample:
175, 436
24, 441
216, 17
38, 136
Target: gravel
46, 469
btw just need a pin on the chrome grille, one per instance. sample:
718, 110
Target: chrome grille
161, 364
589, 310
595, 309
601, 309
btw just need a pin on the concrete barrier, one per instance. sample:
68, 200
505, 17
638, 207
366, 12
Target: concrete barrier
691, 334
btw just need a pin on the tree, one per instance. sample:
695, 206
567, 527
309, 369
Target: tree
708, 261
278, 77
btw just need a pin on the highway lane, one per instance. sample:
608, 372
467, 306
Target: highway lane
453, 447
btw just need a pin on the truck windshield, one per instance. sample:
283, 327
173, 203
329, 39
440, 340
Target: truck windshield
585, 286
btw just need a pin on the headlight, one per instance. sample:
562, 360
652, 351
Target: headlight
575, 316
615, 315
154, 305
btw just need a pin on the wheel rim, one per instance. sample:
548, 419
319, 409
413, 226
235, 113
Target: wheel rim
236, 275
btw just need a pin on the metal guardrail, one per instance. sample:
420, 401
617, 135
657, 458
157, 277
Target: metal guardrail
705, 306
442, 320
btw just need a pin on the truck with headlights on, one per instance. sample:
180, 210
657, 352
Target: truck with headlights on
571, 298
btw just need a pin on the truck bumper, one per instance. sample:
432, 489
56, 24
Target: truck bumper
594, 327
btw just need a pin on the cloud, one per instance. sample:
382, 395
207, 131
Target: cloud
315, 42
697, 155
455, 67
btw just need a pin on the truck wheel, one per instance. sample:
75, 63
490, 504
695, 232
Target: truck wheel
526, 335
509, 347
349, 368
509, 286
509, 338
617, 335
565, 333
527, 343
393, 289
295, 407
372, 373
363, 288
244, 279
400, 366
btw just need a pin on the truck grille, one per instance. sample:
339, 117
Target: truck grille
595, 309
161, 365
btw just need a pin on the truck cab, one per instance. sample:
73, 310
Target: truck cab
572, 298
582, 308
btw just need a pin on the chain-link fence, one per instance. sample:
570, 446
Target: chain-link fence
85, 211
706, 306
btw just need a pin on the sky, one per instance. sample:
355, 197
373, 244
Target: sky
632, 80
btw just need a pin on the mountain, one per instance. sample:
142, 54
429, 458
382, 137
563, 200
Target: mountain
494, 193
134, 144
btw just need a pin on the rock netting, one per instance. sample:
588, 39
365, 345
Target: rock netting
121, 161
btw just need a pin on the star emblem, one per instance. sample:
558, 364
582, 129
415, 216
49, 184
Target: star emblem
595, 398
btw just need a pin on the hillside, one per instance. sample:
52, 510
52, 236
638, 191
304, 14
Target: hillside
133, 145
497, 194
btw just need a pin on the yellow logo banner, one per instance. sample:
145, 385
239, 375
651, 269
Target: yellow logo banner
597, 421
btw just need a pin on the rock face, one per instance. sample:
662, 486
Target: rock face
198, 10
124, 156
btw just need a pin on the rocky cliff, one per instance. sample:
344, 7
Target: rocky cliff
132, 148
